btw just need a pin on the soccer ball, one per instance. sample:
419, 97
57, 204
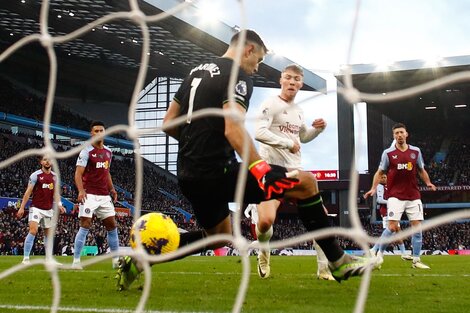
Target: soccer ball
158, 233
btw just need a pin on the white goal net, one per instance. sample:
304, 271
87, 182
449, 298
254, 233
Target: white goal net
137, 16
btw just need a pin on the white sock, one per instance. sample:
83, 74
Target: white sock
264, 237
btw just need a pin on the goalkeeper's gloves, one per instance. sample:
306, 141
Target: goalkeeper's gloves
271, 179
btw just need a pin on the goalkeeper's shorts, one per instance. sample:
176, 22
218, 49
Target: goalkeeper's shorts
210, 197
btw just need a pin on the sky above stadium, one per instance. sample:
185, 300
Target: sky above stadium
317, 34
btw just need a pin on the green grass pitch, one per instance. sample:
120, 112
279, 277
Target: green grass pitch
209, 284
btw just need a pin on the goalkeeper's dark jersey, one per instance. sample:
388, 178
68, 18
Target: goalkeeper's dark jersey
204, 152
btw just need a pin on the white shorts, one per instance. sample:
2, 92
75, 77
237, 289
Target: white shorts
42, 217
101, 206
412, 208
385, 222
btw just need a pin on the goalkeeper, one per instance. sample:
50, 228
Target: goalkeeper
207, 166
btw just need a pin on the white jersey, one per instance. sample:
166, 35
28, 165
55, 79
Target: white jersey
279, 126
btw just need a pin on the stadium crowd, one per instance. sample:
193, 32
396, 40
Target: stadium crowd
162, 194
13, 231
159, 192
446, 158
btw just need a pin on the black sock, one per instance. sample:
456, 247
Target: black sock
186, 239
189, 238
313, 216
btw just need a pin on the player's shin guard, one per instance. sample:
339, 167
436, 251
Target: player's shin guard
188, 238
401, 246
386, 233
313, 216
45, 247
113, 239
417, 243
28, 244
80, 239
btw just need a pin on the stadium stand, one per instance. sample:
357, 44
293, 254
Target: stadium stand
445, 155
13, 231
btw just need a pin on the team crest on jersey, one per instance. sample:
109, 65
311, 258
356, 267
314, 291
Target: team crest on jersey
87, 211
265, 114
241, 88
413, 156
35, 217
390, 214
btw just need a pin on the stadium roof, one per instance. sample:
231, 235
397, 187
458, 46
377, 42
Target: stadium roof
373, 78
103, 64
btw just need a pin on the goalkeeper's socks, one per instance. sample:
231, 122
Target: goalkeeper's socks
186, 239
28, 244
113, 240
80, 239
189, 238
313, 216
417, 243
343, 259
386, 233
401, 246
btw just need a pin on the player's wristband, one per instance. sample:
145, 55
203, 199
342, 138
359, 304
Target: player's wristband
259, 168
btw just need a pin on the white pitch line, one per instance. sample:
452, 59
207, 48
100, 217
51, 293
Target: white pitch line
310, 274
75, 309
375, 273
423, 275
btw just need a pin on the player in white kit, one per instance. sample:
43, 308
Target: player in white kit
280, 130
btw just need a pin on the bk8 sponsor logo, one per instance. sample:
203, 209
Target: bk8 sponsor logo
104, 164
405, 166
48, 186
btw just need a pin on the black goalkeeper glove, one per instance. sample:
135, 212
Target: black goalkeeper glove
271, 180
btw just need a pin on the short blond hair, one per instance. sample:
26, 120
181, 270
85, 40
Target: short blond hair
295, 68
